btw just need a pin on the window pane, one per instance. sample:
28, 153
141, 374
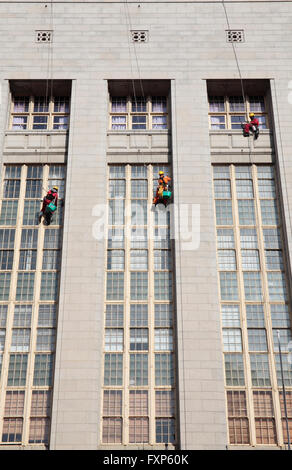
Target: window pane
40, 122
6, 259
139, 259
138, 430
255, 316
8, 212
61, 104
257, 339
164, 403
12, 430
22, 315
138, 402
116, 212
138, 104
230, 315
19, 123
216, 104
228, 286
280, 316
117, 188
159, 104
224, 212
138, 212
116, 259
232, 340
139, 122
116, 238
217, 122
115, 286
21, 104
159, 122
34, 188
61, 122
287, 370
163, 315
139, 286
17, 370
165, 430
269, 212
25, 286
114, 315
112, 402
257, 104
113, 369
43, 370
138, 369
162, 286
41, 104
119, 123
248, 238
31, 212
139, 188
139, 315
260, 374
20, 340
244, 189
11, 189
7, 237
234, 370
164, 369
49, 286
272, 238
236, 104
112, 430
226, 260
246, 212
236, 121
51, 259
39, 430
119, 104
225, 238
46, 338
250, 260
138, 339
222, 189
27, 260
274, 259
252, 286
114, 339
277, 286
163, 339
266, 189
162, 259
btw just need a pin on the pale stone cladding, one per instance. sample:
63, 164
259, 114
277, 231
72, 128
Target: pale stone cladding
187, 45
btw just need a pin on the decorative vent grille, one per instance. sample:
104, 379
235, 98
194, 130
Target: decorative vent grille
139, 36
44, 36
233, 35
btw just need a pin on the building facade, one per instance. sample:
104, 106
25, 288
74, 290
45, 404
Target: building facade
122, 325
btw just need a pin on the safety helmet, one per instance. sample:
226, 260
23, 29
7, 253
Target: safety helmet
56, 188
251, 114
161, 172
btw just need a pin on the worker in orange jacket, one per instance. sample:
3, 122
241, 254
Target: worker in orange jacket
163, 183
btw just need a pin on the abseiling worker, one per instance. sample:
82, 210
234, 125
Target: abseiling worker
251, 126
51, 196
163, 182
